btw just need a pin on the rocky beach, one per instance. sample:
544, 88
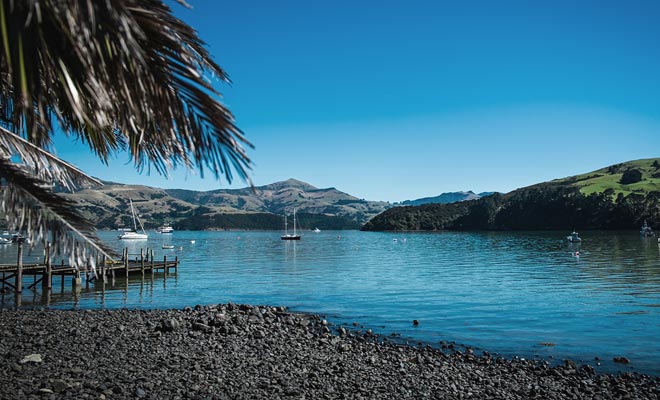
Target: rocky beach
233, 351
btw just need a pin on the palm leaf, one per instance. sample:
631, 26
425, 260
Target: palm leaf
128, 64
118, 75
44, 165
30, 205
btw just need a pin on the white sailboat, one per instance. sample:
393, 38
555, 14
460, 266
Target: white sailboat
134, 235
287, 235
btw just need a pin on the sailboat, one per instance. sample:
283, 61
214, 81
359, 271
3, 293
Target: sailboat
134, 235
287, 235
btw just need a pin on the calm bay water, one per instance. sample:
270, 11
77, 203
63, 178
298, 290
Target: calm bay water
511, 293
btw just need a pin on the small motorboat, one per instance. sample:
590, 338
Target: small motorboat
574, 238
316, 230
646, 230
165, 228
168, 246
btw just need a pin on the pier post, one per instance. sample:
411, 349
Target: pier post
103, 260
76, 282
19, 272
126, 261
142, 261
165, 269
152, 263
176, 264
47, 280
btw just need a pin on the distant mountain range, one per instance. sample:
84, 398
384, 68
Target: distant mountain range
261, 207
620, 196
445, 198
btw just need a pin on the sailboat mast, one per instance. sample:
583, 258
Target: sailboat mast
286, 225
294, 221
133, 213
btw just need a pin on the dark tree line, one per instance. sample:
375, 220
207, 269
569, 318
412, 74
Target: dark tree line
536, 208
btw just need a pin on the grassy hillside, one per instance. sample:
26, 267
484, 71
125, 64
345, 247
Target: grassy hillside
609, 178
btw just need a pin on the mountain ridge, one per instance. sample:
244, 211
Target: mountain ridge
107, 206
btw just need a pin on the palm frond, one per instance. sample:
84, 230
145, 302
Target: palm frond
44, 165
116, 75
126, 64
31, 206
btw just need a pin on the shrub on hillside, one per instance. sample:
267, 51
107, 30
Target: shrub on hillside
631, 176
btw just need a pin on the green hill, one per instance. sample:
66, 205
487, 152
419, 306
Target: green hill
609, 178
620, 196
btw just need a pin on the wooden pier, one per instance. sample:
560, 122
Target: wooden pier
12, 275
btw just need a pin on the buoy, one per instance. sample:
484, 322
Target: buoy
192, 241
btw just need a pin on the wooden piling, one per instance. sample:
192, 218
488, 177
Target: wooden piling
142, 261
19, 273
103, 260
126, 261
152, 263
76, 281
47, 283
165, 269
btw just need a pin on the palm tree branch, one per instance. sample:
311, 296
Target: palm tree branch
41, 210
47, 166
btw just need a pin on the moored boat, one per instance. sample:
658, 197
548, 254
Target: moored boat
646, 230
165, 228
287, 235
134, 234
574, 237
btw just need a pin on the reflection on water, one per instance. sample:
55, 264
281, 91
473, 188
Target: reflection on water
524, 293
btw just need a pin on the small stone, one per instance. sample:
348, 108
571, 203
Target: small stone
35, 358
59, 385
169, 325
140, 393
621, 360
197, 326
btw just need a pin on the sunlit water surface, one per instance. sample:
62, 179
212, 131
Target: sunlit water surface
512, 293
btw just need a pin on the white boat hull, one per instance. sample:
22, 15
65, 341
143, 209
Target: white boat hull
133, 236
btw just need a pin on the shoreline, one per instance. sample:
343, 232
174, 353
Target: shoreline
244, 351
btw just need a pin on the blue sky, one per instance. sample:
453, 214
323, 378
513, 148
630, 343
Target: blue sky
393, 100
